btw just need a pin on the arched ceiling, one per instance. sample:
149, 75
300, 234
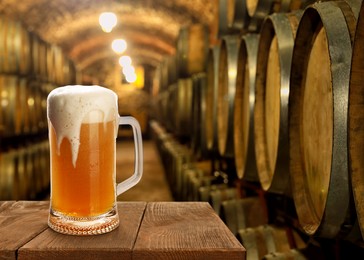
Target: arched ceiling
150, 27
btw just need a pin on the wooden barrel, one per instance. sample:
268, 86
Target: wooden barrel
56, 64
183, 111
169, 106
244, 213
34, 102
262, 240
204, 192
21, 111
211, 94
191, 50
226, 93
244, 103
167, 72
195, 175
195, 178
7, 175
271, 101
180, 157
258, 10
232, 17
198, 137
14, 106
8, 90
218, 196
163, 108
14, 47
176, 156
60, 66
39, 58
318, 117
356, 121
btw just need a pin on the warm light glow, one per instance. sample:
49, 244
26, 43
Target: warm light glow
107, 21
125, 61
119, 46
131, 78
129, 74
139, 71
128, 70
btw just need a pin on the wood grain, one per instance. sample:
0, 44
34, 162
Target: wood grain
19, 223
162, 230
185, 231
114, 245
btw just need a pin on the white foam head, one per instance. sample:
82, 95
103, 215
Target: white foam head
70, 106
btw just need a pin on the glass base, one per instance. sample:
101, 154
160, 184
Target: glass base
83, 226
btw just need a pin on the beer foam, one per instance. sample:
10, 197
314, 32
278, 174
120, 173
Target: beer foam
70, 106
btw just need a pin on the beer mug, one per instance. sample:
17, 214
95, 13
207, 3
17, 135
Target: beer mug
83, 123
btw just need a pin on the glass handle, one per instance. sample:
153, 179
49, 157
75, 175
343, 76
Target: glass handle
138, 165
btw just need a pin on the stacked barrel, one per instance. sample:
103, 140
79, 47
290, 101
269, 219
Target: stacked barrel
276, 113
29, 69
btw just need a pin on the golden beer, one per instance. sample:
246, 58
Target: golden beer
89, 188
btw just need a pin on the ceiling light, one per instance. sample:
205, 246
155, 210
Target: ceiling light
119, 46
131, 78
125, 61
128, 70
107, 21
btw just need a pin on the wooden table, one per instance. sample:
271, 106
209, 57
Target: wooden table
155, 230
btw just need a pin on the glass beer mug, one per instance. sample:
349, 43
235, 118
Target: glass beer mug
83, 123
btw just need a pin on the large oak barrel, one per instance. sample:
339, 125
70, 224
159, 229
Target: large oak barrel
318, 119
14, 47
228, 61
232, 17
356, 121
265, 239
57, 65
244, 213
14, 106
244, 103
183, 109
258, 10
271, 101
39, 57
191, 50
198, 137
210, 126
7, 175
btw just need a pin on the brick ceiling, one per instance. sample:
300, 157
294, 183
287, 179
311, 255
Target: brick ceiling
149, 26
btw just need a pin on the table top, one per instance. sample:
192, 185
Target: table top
148, 230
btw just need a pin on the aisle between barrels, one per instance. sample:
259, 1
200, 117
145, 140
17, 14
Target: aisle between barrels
153, 185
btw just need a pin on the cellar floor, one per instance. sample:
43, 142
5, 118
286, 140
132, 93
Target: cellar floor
153, 185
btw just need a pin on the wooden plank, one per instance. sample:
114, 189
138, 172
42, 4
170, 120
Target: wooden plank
19, 223
191, 230
117, 244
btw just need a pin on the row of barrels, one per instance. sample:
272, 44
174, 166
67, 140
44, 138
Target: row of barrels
286, 105
24, 172
232, 17
24, 53
23, 106
246, 217
190, 58
242, 16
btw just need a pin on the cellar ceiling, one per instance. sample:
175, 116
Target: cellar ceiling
150, 27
